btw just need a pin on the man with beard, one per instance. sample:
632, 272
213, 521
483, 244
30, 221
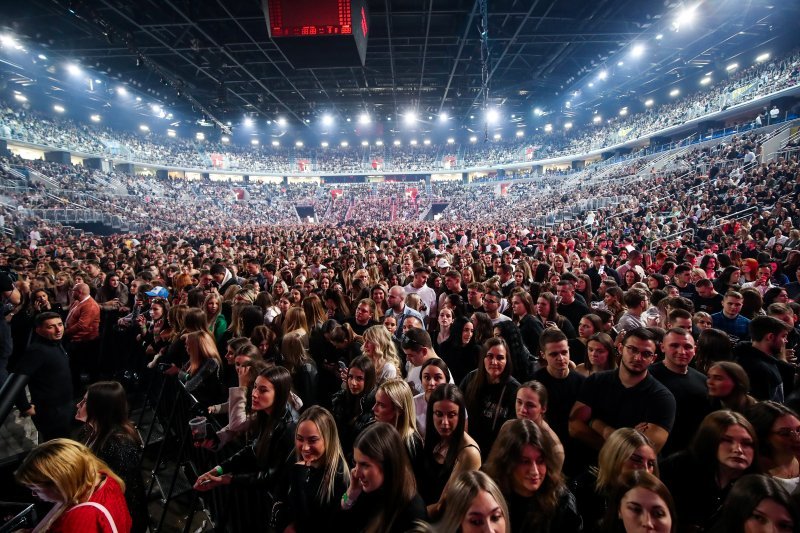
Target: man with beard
626, 397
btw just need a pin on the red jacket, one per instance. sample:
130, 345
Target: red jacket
83, 321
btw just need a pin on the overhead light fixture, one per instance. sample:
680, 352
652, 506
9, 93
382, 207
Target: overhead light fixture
379, 143
597, 119
144, 127
686, 17
520, 133
637, 50
603, 75
74, 69
344, 144
282, 122
620, 63
538, 111
450, 140
426, 142
492, 115
649, 102
172, 133
363, 118
732, 66
496, 136
675, 92
95, 118
548, 127
58, 108
413, 142
591, 84
255, 142
42, 57
473, 139
20, 97
364, 143
122, 91
324, 144
225, 139
327, 120
762, 57
659, 36
276, 143
567, 125
623, 111
299, 144
410, 118
443, 117
248, 122
200, 136
396, 142
705, 81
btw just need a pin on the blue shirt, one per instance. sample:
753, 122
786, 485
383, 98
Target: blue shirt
738, 327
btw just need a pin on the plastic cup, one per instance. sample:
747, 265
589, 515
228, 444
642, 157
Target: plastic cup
197, 426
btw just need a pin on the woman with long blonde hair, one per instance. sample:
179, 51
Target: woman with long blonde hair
394, 404
381, 350
86, 493
200, 374
212, 306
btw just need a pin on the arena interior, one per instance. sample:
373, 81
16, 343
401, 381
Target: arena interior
400, 265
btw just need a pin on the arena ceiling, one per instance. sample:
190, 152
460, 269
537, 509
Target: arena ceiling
216, 56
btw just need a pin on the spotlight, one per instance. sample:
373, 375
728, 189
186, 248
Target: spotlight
363, 118
200, 136
248, 122
649, 102
378, 143
396, 142
705, 81
20, 98
299, 144
365, 143
492, 115
538, 112
443, 117
324, 144
623, 111
144, 127
548, 128
58, 108
732, 67
255, 142
282, 122
520, 133
603, 75
473, 139
426, 142
95, 118
674, 92
450, 140
74, 69
762, 57
597, 119
568, 125
225, 139
172, 133
122, 91
327, 120
276, 143
413, 142
344, 144
410, 118
637, 50
496, 136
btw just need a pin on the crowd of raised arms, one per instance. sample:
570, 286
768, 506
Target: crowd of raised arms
629, 368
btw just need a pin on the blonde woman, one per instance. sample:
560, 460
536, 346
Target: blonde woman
394, 404
381, 350
295, 321
294, 348
320, 476
214, 317
201, 373
88, 496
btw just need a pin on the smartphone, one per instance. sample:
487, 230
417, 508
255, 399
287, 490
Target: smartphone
601, 269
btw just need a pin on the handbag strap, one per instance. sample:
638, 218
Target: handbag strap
100, 508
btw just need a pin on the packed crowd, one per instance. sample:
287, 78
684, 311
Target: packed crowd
741, 86
614, 375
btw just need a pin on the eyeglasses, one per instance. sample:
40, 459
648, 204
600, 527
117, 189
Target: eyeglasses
788, 433
645, 354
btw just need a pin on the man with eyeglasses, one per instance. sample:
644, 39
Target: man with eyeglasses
626, 397
491, 302
685, 383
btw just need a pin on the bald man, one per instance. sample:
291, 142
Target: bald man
82, 331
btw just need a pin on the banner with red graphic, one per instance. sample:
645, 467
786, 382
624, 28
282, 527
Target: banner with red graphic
449, 161
377, 163
303, 165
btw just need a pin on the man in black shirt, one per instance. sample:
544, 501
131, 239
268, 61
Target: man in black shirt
686, 384
626, 397
49, 380
707, 298
562, 385
569, 307
759, 358
362, 319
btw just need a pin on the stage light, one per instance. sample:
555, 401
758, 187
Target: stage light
138, 98
410, 118
538, 112
705, 81
597, 119
674, 92
413, 142
659, 36
443, 117
473, 139
248, 122
732, 66
225, 139
171, 133
276, 143
327, 120
520, 133
649, 102
568, 125
762, 57
378, 143
344, 144
255, 142
365, 143
42, 57
9, 42
363, 119
282, 122
492, 115
20, 97
200, 136
637, 50
144, 127
620, 63
58, 108
95, 118
496, 136
426, 142
603, 75
685, 17
74, 69
299, 144
450, 140
623, 111
122, 91
324, 144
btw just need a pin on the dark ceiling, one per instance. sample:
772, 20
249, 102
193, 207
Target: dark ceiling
216, 55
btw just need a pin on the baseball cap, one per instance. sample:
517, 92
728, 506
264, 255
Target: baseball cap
158, 292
